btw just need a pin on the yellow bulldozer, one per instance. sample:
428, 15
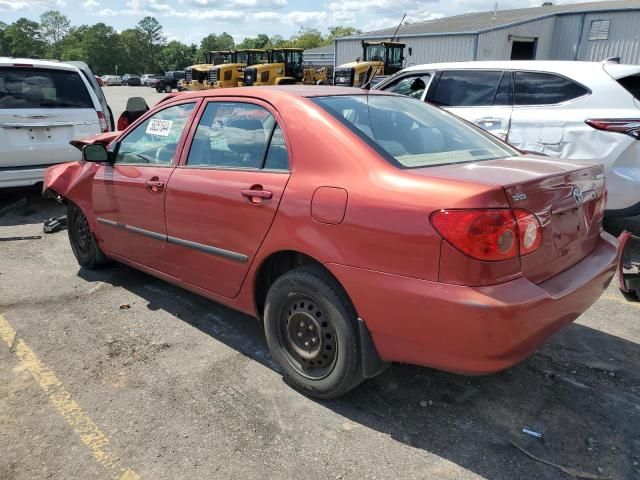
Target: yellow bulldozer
196, 77
378, 58
283, 67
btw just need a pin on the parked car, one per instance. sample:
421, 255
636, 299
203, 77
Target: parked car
43, 106
131, 80
583, 111
111, 80
390, 231
149, 78
97, 89
168, 82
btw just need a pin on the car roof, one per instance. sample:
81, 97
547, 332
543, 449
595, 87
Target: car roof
567, 68
10, 61
274, 92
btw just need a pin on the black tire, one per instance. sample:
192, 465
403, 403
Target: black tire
306, 304
158, 89
167, 88
83, 242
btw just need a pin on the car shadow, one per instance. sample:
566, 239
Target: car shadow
24, 206
581, 391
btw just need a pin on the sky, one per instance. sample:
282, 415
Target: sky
190, 20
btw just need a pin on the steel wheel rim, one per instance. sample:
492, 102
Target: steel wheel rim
302, 320
82, 233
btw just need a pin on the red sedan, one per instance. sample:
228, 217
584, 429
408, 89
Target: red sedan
361, 227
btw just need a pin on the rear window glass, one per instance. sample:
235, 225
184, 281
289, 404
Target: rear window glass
631, 84
534, 88
470, 88
412, 134
42, 88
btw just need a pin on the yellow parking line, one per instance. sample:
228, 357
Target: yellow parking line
620, 300
89, 433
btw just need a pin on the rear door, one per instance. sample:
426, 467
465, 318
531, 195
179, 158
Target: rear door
482, 97
547, 116
128, 196
223, 197
41, 110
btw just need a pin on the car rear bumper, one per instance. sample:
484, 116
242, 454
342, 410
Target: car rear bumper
473, 330
22, 176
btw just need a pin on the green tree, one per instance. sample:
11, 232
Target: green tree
54, 26
308, 37
23, 39
153, 40
176, 56
211, 42
132, 52
340, 31
4, 47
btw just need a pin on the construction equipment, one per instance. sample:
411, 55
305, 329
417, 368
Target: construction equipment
378, 58
284, 67
317, 76
196, 77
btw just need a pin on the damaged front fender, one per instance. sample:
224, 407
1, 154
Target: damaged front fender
629, 265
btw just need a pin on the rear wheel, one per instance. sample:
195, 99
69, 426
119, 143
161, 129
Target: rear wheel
83, 242
167, 88
311, 328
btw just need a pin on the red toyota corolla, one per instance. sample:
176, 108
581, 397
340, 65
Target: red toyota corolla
363, 228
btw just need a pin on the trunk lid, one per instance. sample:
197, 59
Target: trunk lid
567, 198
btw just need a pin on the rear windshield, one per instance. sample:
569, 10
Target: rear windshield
42, 88
632, 84
412, 134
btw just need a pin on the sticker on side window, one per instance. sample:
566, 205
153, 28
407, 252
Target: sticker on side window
159, 127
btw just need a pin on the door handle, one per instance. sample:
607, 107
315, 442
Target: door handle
154, 185
488, 121
264, 194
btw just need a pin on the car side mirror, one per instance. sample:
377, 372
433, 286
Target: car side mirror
95, 153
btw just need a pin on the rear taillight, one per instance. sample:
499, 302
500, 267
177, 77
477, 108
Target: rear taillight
104, 125
628, 126
490, 235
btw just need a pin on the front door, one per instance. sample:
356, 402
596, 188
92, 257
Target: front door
222, 199
128, 196
482, 97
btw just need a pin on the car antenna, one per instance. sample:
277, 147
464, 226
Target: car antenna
399, 25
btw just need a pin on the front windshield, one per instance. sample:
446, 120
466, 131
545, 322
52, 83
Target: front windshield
412, 134
375, 53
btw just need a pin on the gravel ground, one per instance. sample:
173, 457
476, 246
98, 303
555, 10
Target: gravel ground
179, 387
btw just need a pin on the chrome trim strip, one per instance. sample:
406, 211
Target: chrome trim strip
221, 252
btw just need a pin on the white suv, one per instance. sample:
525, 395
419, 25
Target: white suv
584, 111
43, 106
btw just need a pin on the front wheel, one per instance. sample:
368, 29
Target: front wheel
83, 242
167, 89
311, 328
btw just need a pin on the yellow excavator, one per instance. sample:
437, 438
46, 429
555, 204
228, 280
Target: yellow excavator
378, 58
317, 76
283, 67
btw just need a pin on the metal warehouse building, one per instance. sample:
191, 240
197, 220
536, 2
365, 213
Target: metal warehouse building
584, 31
319, 56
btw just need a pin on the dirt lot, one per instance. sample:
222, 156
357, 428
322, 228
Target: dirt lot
178, 387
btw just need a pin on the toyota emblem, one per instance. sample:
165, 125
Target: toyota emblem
577, 195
